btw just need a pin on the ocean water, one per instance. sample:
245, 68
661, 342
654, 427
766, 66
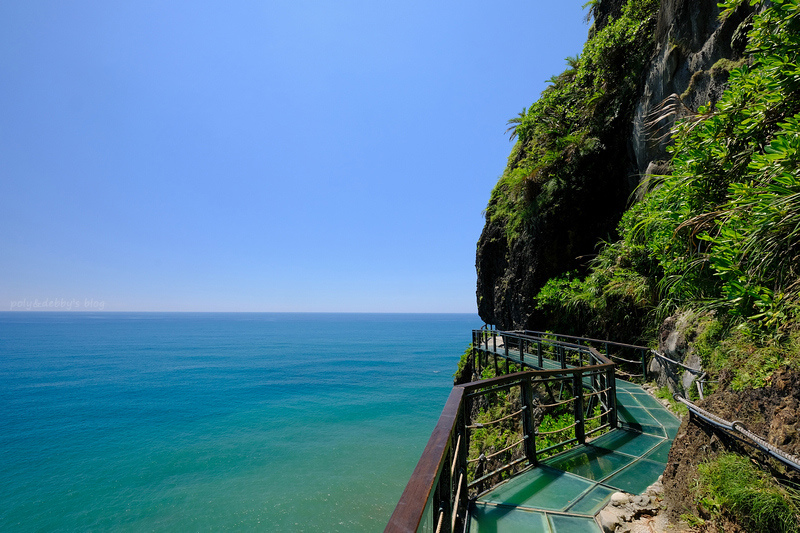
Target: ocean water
217, 422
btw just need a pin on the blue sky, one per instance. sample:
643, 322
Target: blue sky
281, 155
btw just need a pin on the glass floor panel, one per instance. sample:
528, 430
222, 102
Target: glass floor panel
590, 462
628, 442
648, 401
636, 477
593, 501
573, 524
661, 452
540, 488
636, 415
626, 398
495, 519
627, 385
652, 430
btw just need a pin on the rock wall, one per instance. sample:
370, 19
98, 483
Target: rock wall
675, 342
690, 41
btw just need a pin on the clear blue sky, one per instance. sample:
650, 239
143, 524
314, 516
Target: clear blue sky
277, 155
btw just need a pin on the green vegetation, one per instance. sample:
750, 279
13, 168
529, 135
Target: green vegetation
720, 232
731, 484
676, 407
723, 227
561, 137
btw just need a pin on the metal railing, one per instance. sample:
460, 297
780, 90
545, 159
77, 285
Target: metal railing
458, 465
738, 431
631, 360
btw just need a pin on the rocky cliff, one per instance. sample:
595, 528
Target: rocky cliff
547, 218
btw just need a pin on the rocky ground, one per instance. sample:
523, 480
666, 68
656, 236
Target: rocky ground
626, 513
773, 412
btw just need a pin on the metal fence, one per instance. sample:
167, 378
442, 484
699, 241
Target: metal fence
536, 381
631, 360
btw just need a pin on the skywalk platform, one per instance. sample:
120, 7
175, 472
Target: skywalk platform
565, 492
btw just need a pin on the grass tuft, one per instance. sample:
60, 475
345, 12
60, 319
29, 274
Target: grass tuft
732, 485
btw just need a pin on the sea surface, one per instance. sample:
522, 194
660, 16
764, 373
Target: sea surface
217, 422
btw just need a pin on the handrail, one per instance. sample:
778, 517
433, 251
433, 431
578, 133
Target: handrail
408, 514
643, 350
437, 495
737, 430
588, 339
677, 363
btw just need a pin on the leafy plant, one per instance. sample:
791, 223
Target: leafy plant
725, 226
559, 134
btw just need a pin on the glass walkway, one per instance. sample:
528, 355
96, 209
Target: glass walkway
565, 492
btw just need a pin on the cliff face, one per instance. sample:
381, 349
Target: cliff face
563, 225
691, 40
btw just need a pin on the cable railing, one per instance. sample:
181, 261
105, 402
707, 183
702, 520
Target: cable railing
738, 431
491, 429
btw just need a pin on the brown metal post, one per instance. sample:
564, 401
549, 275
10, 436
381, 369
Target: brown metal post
528, 428
612, 398
577, 391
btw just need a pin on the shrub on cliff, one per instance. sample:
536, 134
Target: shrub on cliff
725, 225
722, 231
563, 138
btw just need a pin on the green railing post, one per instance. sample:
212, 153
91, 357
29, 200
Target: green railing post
577, 391
475, 347
539, 353
505, 345
644, 364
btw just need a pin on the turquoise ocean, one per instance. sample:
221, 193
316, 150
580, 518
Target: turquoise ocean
217, 422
